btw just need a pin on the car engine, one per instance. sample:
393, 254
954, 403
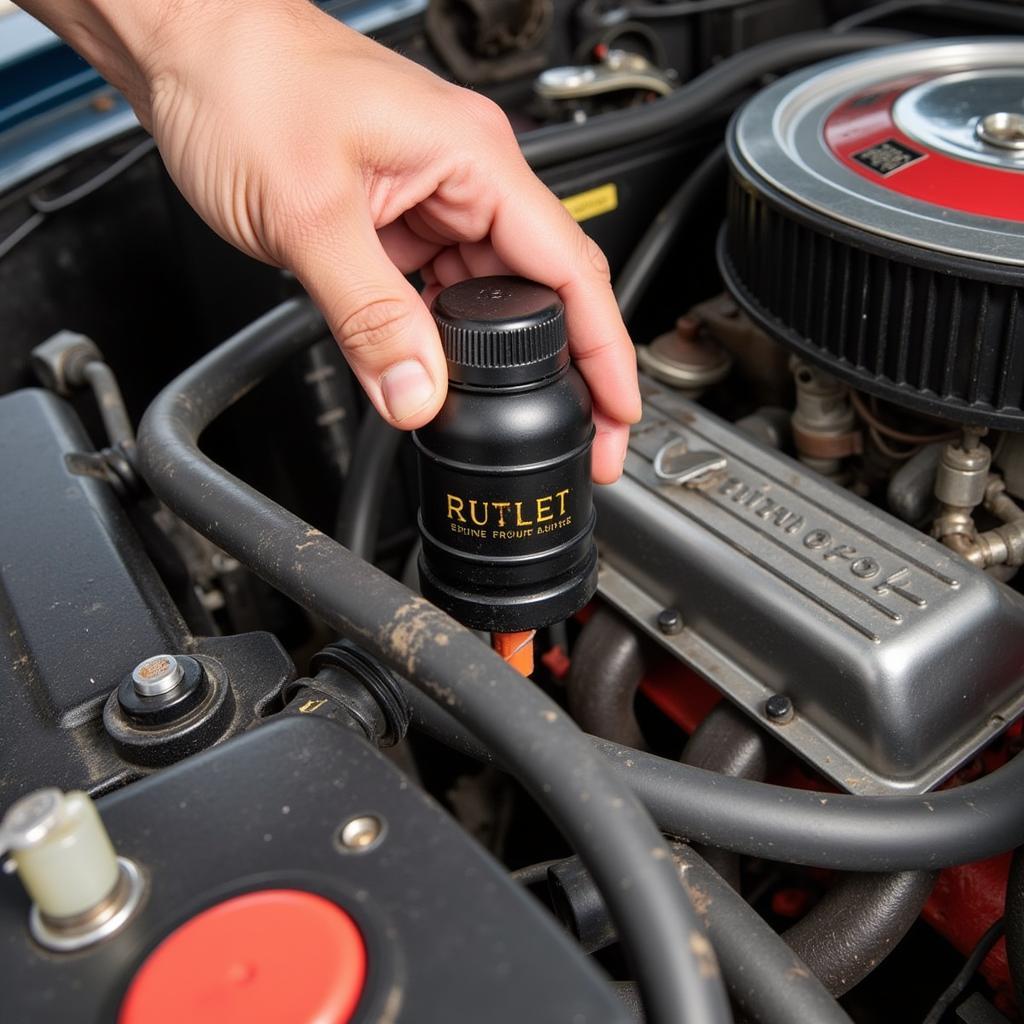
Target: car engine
306, 719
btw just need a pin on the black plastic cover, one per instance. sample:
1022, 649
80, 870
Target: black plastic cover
80, 601
448, 936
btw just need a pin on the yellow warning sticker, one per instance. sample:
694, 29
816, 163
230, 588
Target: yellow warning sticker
593, 202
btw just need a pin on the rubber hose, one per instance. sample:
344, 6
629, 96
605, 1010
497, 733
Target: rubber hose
1014, 923
855, 926
842, 831
848, 833
527, 732
693, 103
362, 498
606, 670
756, 962
972, 10
728, 742
764, 976
650, 252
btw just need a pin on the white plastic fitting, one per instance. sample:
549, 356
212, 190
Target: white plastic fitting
62, 852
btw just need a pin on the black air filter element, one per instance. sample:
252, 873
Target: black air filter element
876, 223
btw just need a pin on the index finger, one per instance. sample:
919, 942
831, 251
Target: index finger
536, 237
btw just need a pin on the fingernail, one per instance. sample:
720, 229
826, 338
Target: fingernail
407, 388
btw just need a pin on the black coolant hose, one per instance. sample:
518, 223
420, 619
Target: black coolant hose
766, 978
852, 928
857, 924
607, 667
698, 99
796, 826
860, 920
729, 743
362, 498
528, 733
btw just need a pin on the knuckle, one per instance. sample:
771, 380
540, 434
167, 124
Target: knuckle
488, 116
373, 326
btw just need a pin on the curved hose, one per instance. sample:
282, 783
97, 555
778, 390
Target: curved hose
527, 732
796, 826
606, 670
969, 10
650, 252
849, 833
729, 743
360, 510
764, 975
855, 925
697, 100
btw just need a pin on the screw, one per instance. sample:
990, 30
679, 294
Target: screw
157, 675
361, 833
779, 708
670, 621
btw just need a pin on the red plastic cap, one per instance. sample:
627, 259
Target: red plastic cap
279, 955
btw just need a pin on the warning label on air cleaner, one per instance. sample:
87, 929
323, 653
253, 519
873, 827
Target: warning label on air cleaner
888, 157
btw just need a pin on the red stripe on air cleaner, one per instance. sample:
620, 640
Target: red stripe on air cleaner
864, 122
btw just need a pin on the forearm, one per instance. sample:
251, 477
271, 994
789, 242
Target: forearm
132, 43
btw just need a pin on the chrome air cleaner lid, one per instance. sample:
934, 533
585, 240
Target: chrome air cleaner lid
876, 222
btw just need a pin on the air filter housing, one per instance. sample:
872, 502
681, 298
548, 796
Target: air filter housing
876, 223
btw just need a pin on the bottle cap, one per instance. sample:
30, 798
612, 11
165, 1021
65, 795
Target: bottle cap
501, 331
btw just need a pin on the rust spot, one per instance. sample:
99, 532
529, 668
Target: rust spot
154, 668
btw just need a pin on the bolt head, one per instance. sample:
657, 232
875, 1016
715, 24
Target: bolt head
670, 621
360, 833
779, 708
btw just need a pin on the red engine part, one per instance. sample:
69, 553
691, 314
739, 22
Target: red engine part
966, 899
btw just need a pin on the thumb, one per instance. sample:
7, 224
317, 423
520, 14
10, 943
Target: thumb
382, 325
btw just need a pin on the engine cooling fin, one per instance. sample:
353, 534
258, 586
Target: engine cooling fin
876, 223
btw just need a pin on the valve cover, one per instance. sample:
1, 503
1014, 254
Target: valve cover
901, 659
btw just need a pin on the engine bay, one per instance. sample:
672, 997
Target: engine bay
763, 694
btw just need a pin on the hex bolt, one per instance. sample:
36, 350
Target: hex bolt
360, 833
779, 709
670, 621
157, 675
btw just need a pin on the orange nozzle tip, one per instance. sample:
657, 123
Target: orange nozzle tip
516, 649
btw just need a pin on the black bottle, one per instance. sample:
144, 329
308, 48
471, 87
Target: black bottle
506, 509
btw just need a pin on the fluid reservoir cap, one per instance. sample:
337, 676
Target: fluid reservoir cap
277, 955
501, 331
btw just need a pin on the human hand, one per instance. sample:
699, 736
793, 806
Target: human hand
309, 146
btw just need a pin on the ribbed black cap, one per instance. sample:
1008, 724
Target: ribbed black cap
501, 331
